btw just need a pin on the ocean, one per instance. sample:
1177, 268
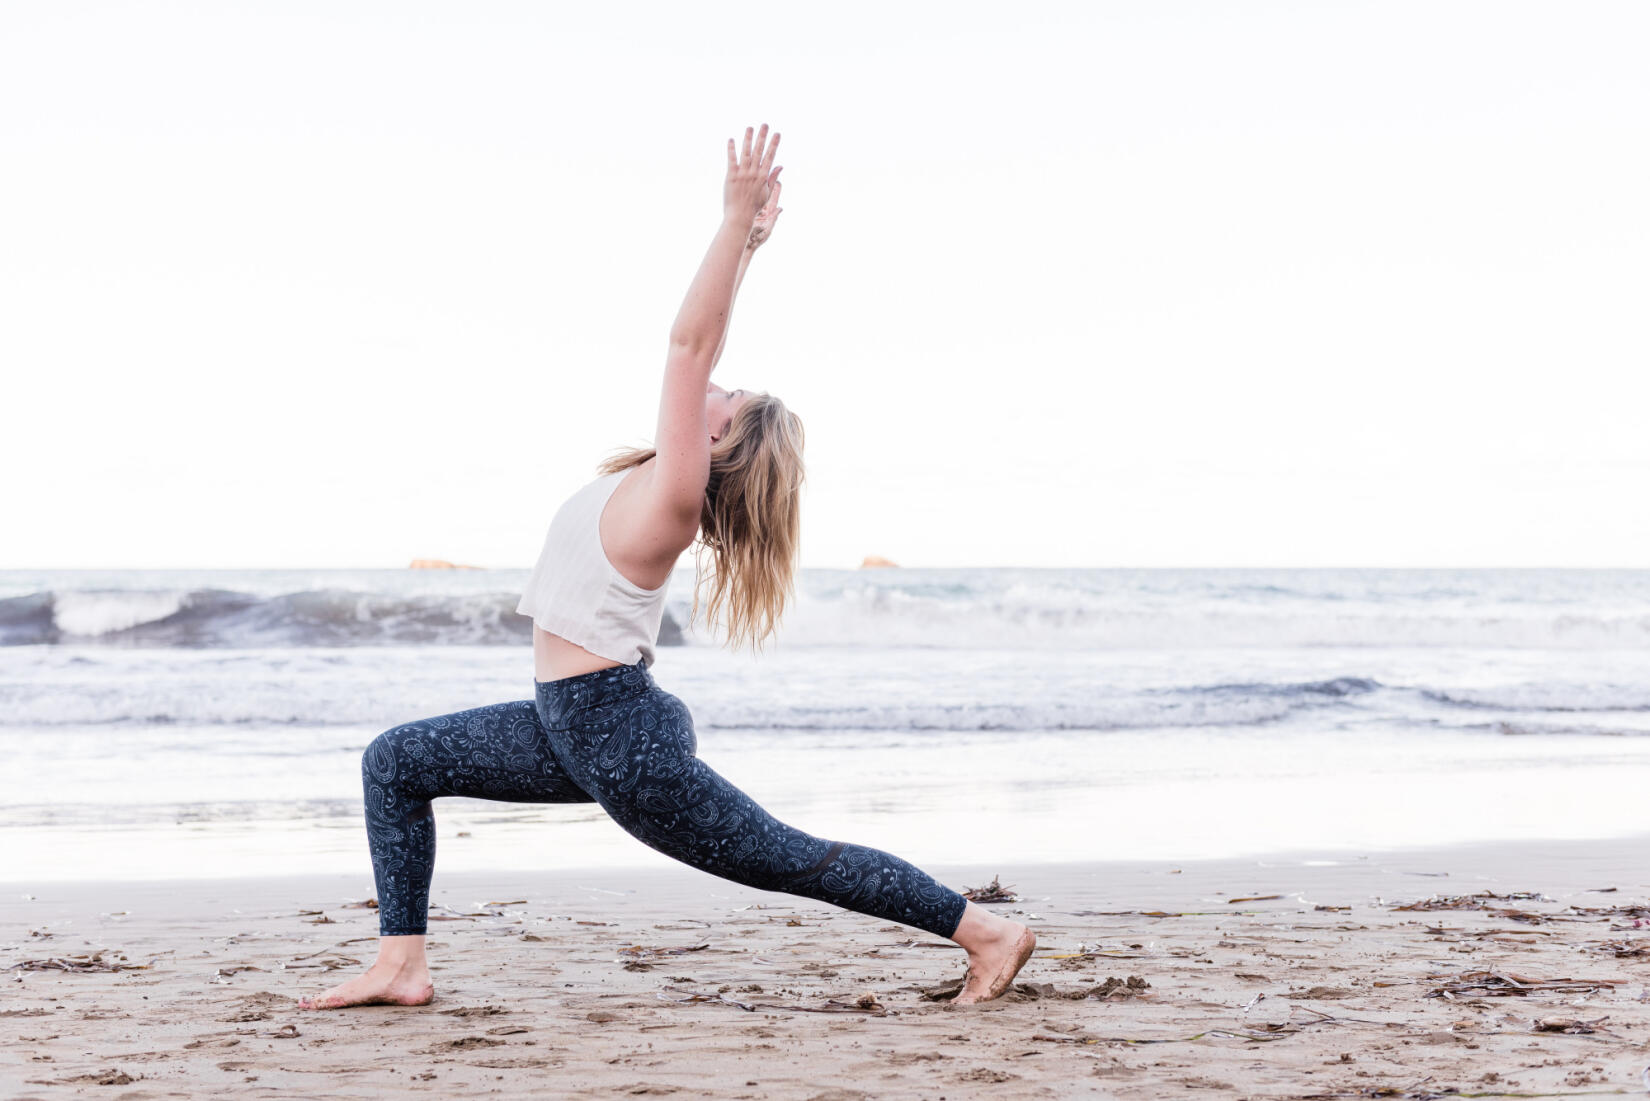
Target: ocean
211, 723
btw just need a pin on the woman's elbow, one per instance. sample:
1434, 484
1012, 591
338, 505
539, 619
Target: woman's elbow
690, 354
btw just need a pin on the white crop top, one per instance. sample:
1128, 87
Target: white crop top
575, 591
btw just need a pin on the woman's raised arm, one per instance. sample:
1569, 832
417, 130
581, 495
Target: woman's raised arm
761, 230
683, 437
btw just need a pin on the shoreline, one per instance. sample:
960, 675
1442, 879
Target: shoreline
1080, 879
1292, 975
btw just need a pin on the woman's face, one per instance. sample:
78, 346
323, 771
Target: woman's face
720, 406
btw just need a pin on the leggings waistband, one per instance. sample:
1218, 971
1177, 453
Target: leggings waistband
560, 701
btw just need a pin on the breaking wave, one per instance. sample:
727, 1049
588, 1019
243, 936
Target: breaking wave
227, 618
948, 609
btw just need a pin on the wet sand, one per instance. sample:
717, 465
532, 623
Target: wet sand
1277, 978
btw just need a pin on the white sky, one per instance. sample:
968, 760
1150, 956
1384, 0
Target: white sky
1151, 283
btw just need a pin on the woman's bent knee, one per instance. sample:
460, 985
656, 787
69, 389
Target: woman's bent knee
379, 761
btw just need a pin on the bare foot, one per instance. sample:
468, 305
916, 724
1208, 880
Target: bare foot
993, 962
383, 984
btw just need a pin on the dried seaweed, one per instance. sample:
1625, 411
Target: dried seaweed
1622, 949
81, 964
1112, 989
1492, 984
1527, 917
474, 1011
457, 915
865, 1004
334, 948
991, 892
1569, 1025
1478, 901
235, 969
1264, 1033
111, 1077
640, 953
1638, 915
331, 963
1096, 954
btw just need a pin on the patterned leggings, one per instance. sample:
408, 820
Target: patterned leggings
616, 738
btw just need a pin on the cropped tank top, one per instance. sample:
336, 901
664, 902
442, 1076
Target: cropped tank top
574, 590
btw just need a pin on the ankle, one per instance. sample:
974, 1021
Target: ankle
401, 954
401, 963
980, 928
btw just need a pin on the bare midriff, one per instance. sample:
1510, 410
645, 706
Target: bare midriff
554, 657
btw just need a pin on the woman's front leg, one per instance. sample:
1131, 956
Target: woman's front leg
494, 752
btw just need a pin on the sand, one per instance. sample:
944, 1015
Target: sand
1149, 981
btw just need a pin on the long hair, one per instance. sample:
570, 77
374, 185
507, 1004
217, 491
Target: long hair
750, 524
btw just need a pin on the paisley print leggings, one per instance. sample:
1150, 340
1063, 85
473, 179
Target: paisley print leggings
616, 738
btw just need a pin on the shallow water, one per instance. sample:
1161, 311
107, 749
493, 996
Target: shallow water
951, 716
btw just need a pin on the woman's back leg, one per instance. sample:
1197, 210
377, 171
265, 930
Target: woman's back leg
639, 762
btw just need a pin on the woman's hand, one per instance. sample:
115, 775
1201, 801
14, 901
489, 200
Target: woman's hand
762, 228
751, 178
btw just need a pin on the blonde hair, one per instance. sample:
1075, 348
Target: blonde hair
751, 520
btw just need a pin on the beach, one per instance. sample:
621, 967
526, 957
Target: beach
1178, 469
1211, 791
1297, 976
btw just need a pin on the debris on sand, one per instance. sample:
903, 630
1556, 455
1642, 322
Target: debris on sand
1113, 989
329, 963
1472, 902
866, 1003
474, 1011
1569, 1025
1622, 949
991, 892
644, 954
942, 993
1492, 984
81, 963
113, 1077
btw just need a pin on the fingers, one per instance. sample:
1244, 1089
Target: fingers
760, 154
754, 160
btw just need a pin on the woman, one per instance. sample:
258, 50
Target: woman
727, 471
